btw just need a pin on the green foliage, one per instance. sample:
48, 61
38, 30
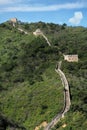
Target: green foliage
31, 91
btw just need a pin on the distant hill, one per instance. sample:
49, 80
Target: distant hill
30, 90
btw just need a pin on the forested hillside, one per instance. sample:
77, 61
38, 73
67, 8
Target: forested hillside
30, 90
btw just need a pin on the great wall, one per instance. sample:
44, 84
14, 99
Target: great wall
65, 84
67, 102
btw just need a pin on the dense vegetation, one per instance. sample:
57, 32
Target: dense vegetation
30, 90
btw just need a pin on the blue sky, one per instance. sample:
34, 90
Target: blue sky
71, 12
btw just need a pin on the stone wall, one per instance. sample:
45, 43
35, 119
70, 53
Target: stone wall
71, 58
14, 20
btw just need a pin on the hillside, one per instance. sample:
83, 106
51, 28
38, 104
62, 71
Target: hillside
31, 92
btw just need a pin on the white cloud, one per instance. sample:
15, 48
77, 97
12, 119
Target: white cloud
4, 2
27, 8
76, 19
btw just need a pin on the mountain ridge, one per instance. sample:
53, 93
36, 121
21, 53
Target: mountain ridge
27, 74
